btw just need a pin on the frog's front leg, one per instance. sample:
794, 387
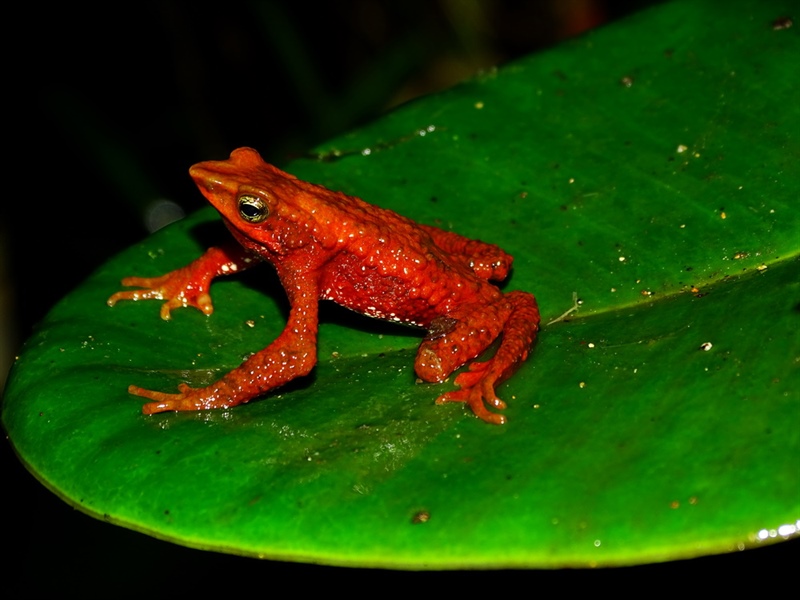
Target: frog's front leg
189, 285
293, 354
456, 339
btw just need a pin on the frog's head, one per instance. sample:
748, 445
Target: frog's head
262, 205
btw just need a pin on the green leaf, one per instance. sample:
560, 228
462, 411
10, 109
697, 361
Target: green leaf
651, 167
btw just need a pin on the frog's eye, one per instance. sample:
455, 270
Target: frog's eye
252, 208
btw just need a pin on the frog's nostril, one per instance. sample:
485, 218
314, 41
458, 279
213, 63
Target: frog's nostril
206, 179
199, 174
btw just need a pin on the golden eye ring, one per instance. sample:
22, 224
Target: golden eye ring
253, 209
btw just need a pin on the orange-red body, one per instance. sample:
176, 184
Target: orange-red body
326, 245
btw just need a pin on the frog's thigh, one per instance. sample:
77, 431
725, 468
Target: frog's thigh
456, 339
487, 261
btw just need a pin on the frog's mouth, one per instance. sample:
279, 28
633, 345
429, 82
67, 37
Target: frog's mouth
259, 248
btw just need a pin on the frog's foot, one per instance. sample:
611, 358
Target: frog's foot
477, 390
188, 399
177, 288
465, 333
189, 285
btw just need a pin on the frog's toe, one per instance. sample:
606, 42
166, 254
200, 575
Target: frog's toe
152, 408
162, 402
133, 295
494, 418
477, 398
144, 282
187, 399
203, 303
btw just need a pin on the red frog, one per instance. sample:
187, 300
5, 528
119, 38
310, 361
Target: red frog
326, 245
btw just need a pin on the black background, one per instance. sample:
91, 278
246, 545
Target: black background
111, 104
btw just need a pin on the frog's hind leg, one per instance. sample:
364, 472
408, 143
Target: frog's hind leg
454, 341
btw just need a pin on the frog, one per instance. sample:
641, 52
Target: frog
327, 245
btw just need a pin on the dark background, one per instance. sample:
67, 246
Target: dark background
113, 102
